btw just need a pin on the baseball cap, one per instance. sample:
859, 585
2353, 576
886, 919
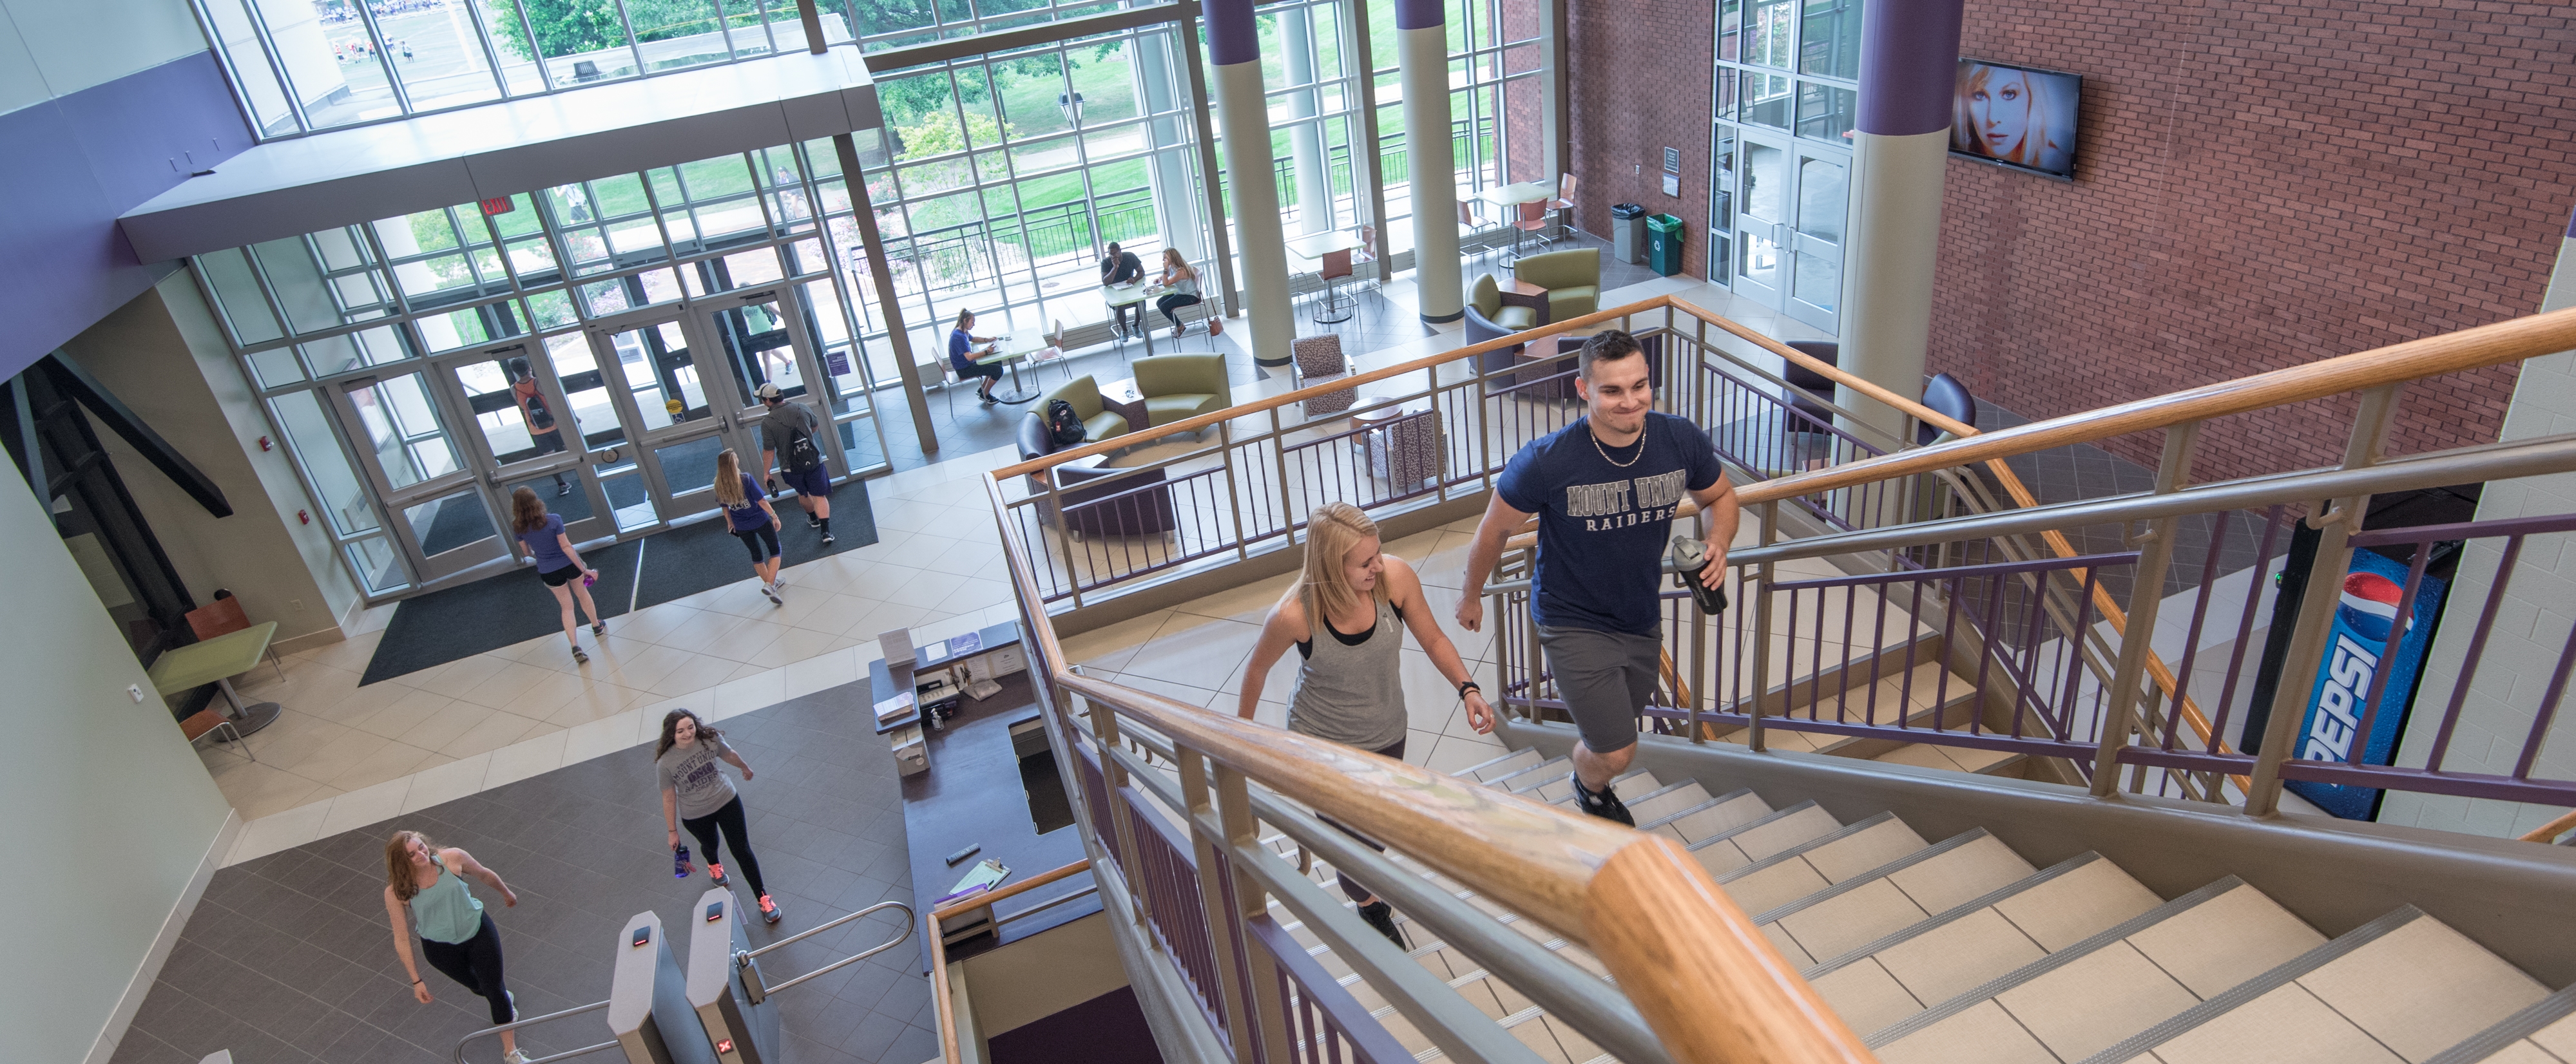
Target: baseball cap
768, 392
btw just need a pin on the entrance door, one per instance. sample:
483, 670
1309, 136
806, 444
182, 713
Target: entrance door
763, 334
441, 515
1762, 221
1815, 238
532, 430
670, 392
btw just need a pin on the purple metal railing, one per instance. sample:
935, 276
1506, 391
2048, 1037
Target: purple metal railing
1327, 1025
1169, 879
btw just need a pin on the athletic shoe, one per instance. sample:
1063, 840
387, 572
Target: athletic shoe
769, 909
1603, 803
827, 539
772, 592
580, 658
563, 489
812, 522
716, 872
781, 582
1381, 917
515, 1056
600, 628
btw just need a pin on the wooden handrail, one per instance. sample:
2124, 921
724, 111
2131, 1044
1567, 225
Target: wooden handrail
2550, 831
939, 945
1717, 991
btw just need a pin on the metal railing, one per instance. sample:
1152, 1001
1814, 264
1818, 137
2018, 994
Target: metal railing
495, 1032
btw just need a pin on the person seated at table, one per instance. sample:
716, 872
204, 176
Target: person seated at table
962, 353
1180, 289
1122, 267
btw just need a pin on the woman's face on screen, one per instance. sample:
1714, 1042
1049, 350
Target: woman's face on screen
2000, 109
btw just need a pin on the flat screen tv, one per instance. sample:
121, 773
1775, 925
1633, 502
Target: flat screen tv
2016, 116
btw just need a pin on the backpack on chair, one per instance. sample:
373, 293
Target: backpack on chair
1064, 426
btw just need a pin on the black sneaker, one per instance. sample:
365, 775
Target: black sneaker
812, 523
1381, 917
827, 541
1603, 803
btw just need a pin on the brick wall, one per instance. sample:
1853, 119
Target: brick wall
2258, 186
1638, 82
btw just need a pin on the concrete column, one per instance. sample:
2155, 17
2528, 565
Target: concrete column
1308, 156
1909, 59
1422, 49
1234, 74
1168, 169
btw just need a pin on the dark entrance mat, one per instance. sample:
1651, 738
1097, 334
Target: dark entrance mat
513, 607
491, 613
692, 558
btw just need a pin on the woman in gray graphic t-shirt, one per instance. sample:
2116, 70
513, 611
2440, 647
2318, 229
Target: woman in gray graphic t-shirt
1343, 615
696, 795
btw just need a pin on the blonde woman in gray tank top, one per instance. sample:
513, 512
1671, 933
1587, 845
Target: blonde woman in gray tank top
1346, 615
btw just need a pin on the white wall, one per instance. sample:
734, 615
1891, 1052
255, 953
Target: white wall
163, 355
112, 815
2531, 625
52, 48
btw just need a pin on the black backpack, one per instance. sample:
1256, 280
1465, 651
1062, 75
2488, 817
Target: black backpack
1063, 424
801, 454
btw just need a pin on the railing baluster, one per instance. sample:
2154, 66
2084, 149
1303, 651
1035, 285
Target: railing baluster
2477, 652
2146, 595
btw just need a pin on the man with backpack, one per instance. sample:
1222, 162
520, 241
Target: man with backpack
787, 445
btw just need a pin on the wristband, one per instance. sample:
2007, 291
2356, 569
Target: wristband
1466, 686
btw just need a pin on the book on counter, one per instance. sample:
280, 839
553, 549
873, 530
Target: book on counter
891, 708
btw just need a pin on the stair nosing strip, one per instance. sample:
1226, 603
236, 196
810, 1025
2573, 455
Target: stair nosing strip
1873, 875
1740, 792
2523, 1024
1801, 849
1958, 912
1986, 991
1614, 782
1498, 782
1776, 814
1667, 789
1468, 773
2228, 1000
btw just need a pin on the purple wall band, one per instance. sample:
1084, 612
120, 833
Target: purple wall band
1420, 14
1234, 36
75, 163
1909, 66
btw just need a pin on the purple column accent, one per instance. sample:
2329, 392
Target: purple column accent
2571, 227
1234, 36
1909, 66
76, 162
1420, 14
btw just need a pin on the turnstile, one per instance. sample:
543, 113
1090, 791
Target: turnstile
648, 1000
741, 1023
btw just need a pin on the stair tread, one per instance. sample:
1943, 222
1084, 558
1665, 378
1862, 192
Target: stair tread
1821, 863
1869, 908
2558, 1038
1983, 1034
1497, 768
1724, 813
2288, 1025
2422, 987
2227, 940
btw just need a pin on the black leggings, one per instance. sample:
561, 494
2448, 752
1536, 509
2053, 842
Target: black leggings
475, 962
1350, 886
762, 542
736, 834
1171, 305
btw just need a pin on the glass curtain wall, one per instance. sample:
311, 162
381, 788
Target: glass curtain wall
362, 315
305, 65
1497, 125
1307, 50
1785, 69
999, 181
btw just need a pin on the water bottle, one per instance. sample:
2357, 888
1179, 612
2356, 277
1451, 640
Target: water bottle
1690, 560
680, 861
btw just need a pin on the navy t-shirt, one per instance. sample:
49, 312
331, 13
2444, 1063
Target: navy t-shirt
1603, 528
545, 544
749, 515
958, 345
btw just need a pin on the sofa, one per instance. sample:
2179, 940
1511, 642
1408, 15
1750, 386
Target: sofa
1572, 279
1099, 422
1181, 387
1112, 502
1489, 319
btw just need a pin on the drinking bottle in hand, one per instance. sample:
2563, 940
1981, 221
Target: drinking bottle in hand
680, 861
1690, 562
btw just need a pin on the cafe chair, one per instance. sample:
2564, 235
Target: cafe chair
1336, 265
1052, 352
1564, 201
1366, 255
210, 721
1531, 221
1471, 229
224, 617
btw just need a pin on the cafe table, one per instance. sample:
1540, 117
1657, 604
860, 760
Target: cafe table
216, 661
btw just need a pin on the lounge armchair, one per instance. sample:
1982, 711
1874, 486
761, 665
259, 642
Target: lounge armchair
1317, 359
1181, 387
1572, 279
1098, 421
1489, 319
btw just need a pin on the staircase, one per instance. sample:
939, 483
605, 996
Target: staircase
1959, 950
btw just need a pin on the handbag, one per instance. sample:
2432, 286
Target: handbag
1216, 325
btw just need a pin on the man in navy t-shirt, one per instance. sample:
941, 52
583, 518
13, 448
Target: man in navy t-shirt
1604, 489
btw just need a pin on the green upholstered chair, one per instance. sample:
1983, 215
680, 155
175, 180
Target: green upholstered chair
1098, 422
1572, 279
1180, 387
1489, 319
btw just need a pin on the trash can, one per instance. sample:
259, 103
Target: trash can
1664, 244
1628, 232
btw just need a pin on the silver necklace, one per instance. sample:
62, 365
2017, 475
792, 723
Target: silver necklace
1605, 452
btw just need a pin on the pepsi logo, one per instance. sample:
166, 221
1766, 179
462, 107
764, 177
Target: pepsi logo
2369, 605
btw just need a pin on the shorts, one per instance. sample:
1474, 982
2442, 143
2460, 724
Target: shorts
560, 577
1605, 678
548, 441
762, 541
815, 483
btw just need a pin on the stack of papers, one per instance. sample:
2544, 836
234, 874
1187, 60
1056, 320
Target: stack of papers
891, 708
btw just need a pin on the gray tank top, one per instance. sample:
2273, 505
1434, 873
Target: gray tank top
1353, 695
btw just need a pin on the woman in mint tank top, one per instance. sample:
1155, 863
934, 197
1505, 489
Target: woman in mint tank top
426, 896
1346, 617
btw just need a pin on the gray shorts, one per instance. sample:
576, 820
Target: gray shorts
1605, 678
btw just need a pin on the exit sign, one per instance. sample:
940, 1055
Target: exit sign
498, 205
